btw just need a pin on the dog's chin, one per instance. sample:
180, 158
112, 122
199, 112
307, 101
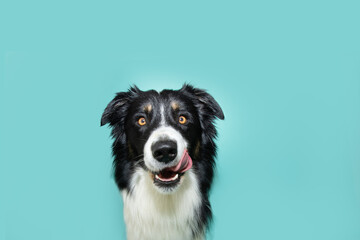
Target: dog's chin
167, 182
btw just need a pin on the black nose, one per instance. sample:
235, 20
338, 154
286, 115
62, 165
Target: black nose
164, 151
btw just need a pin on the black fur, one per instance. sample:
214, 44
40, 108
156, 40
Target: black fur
197, 105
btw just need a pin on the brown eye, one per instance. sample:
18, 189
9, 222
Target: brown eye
142, 121
182, 120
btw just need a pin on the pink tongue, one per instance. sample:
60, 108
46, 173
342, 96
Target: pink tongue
184, 164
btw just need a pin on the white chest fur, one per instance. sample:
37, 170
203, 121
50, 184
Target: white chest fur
151, 215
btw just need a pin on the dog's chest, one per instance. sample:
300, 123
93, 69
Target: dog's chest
150, 215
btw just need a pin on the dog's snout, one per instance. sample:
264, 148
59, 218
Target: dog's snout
164, 151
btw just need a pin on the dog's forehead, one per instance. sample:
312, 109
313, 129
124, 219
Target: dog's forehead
154, 101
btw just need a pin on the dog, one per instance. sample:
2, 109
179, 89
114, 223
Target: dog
164, 154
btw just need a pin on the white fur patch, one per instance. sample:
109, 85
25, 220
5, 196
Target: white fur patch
162, 114
152, 215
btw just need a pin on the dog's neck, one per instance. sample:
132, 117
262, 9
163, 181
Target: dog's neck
150, 214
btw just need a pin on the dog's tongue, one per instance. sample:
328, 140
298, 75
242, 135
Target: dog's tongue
184, 164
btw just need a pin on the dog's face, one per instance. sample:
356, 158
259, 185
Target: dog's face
160, 132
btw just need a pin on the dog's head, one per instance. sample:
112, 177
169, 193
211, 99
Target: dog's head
165, 133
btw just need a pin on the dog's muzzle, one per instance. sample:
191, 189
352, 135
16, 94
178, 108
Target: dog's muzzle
163, 149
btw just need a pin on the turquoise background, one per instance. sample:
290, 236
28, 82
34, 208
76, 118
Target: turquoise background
286, 73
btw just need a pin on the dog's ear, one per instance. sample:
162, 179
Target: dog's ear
208, 105
117, 107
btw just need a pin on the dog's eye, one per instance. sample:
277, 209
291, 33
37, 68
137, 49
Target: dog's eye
142, 121
182, 120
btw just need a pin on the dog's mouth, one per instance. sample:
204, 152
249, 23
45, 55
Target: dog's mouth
167, 178
170, 177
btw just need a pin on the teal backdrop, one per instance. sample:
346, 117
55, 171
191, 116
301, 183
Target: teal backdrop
286, 73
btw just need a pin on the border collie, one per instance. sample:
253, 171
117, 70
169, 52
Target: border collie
164, 160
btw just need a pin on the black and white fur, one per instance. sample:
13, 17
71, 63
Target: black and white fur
152, 210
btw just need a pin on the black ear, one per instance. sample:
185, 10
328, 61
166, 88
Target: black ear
209, 104
117, 106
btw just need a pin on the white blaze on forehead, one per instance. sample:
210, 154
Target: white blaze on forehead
162, 115
161, 134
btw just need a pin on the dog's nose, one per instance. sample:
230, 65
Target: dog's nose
164, 151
